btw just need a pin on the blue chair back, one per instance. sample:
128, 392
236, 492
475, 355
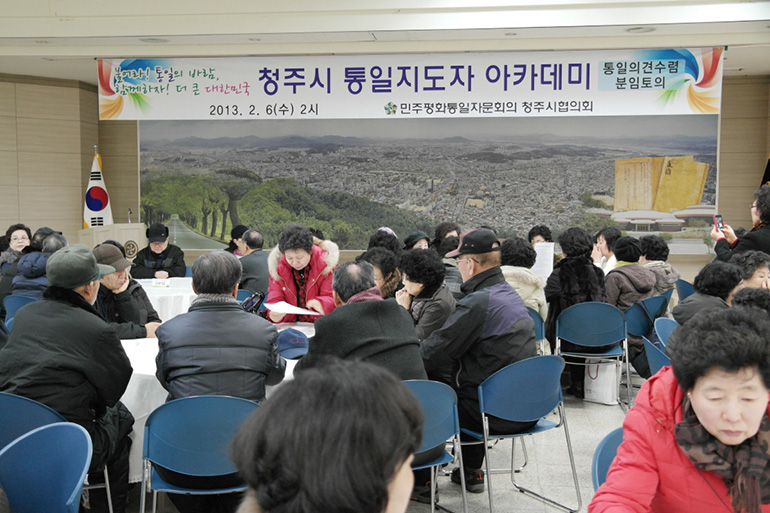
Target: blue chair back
523, 391
44, 470
668, 294
539, 324
243, 294
19, 415
591, 324
188, 271
655, 357
11, 304
192, 435
684, 289
603, 456
439, 402
640, 322
663, 328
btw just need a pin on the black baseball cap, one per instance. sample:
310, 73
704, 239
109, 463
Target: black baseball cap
474, 242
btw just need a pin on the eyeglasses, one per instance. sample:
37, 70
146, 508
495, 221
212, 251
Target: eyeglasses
463, 260
753, 205
16, 239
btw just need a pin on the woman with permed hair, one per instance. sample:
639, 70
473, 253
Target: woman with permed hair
425, 294
698, 436
714, 286
386, 275
442, 231
301, 269
336, 439
727, 243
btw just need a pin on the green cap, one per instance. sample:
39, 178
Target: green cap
73, 266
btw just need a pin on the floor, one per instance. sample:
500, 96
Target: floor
547, 470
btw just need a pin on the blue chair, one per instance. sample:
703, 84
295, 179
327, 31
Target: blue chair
523, 391
439, 402
539, 329
641, 316
594, 324
243, 294
44, 469
191, 436
188, 271
11, 304
684, 289
603, 456
663, 328
19, 415
656, 358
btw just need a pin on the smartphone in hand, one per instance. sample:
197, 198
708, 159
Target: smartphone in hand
718, 222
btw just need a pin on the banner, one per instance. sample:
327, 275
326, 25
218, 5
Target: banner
409, 86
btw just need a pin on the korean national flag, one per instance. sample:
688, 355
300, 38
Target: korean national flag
97, 210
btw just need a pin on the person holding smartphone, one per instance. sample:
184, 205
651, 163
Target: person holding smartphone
727, 244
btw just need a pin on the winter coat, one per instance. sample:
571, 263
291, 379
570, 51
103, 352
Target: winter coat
628, 284
147, 263
489, 329
31, 280
371, 329
650, 472
693, 304
665, 273
318, 285
127, 311
453, 278
217, 348
530, 287
255, 275
758, 240
62, 354
430, 310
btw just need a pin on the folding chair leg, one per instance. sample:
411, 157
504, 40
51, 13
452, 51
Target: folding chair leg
107, 489
486, 463
458, 448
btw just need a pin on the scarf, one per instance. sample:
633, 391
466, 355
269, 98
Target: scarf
300, 281
744, 468
759, 226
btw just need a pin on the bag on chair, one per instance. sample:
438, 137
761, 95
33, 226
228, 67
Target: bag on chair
601, 381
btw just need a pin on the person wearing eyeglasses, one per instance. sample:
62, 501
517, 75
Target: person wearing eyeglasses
727, 243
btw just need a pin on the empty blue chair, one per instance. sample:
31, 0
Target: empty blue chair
683, 289
188, 271
656, 358
44, 469
642, 314
603, 456
524, 391
663, 328
539, 329
191, 436
594, 324
439, 402
11, 304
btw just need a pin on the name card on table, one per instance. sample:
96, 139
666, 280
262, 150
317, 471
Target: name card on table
157, 282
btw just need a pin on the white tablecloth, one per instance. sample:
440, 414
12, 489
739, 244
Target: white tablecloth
145, 393
172, 300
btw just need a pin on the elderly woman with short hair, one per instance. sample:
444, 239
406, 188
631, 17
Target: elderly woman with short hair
425, 294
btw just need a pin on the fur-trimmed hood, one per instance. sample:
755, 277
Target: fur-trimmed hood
329, 254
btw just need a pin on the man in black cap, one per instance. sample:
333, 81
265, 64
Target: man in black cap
489, 329
62, 354
159, 259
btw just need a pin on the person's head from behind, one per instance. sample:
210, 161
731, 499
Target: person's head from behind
477, 251
444, 230
654, 249
517, 252
383, 261
754, 267
296, 244
75, 268
605, 240
752, 298
722, 362
386, 239
718, 279
628, 249
218, 272
36, 243
575, 242
53, 243
350, 279
347, 422
253, 240
421, 269
539, 233
447, 245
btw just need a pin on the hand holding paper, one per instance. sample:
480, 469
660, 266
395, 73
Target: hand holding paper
283, 307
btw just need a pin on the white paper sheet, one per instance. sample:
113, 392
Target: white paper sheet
285, 308
544, 260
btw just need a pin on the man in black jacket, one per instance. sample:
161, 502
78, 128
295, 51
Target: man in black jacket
159, 259
62, 354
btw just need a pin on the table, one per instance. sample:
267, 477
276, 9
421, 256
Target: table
144, 393
172, 300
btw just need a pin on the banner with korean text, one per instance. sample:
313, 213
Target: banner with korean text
407, 86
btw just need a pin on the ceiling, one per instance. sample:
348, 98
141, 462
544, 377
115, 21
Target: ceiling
61, 38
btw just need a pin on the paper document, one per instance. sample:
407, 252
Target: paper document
544, 261
285, 308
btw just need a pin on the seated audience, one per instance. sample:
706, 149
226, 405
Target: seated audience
628, 282
518, 257
754, 267
539, 233
714, 286
159, 259
425, 295
329, 422
254, 262
452, 278
416, 240
604, 254
752, 298
301, 268
31, 280
216, 349
18, 237
386, 238
698, 437
654, 257
444, 230
62, 354
386, 274
235, 237
121, 300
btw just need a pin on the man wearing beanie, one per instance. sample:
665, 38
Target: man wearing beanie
64, 355
159, 259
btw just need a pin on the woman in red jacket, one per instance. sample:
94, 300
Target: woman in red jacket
698, 438
301, 269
